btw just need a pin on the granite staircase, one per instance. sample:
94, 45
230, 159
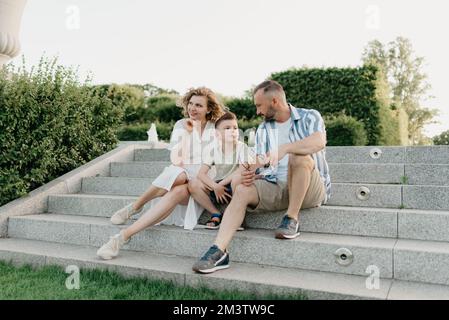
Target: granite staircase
384, 234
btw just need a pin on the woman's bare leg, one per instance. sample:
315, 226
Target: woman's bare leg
184, 202
161, 210
155, 192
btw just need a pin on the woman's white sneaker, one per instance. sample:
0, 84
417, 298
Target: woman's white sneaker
111, 249
123, 215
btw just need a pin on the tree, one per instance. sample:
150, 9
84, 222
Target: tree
152, 90
442, 139
408, 83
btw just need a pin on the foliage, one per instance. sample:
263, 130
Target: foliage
442, 139
344, 130
50, 123
408, 82
243, 107
361, 93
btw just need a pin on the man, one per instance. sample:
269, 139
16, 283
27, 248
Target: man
292, 141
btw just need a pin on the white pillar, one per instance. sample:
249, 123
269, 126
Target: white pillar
10, 16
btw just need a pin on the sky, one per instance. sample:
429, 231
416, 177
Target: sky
230, 46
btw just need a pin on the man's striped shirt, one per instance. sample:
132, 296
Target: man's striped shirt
304, 123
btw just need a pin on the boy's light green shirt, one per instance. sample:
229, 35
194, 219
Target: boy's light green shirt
226, 164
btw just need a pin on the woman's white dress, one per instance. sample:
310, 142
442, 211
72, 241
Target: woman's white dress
191, 147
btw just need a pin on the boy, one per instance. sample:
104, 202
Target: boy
228, 156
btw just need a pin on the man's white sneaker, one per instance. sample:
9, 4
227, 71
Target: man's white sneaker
123, 215
111, 249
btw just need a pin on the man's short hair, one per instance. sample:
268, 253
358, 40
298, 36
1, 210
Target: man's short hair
269, 86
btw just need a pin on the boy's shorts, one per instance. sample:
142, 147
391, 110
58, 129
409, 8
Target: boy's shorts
214, 199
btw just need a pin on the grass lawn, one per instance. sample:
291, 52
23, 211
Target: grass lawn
48, 283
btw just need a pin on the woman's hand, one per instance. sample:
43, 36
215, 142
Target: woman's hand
188, 125
221, 194
175, 158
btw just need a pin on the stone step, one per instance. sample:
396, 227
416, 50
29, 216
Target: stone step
427, 154
423, 197
373, 222
409, 174
343, 194
367, 173
409, 260
368, 154
426, 197
138, 169
88, 204
426, 174
423, 261
378, 155
151, 155
310, 251
341, 172
245, 277
326, 219
406, 174
366, 195
382, 154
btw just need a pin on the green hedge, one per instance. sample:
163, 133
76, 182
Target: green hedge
163, 108
133, 132
360, 92
127, 97
244, 108
345, 131
50, 123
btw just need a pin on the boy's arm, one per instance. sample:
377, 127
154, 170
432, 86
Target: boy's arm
204, 177
228, 179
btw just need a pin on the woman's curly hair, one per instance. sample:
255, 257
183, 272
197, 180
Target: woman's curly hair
214, 106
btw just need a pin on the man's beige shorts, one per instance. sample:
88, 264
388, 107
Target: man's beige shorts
274, 196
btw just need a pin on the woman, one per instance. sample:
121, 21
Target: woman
190, 138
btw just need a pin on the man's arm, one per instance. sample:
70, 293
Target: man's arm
314, 141
310, 145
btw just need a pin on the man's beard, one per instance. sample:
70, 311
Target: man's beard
270, 114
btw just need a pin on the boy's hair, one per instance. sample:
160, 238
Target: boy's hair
226, 116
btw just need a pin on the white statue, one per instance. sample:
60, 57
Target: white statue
152, 134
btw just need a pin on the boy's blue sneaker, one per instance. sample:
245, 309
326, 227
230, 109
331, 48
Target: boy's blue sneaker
213, 260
